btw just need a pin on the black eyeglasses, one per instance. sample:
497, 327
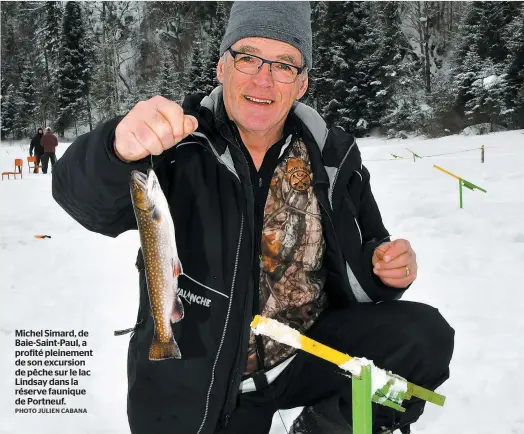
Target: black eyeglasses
251, 64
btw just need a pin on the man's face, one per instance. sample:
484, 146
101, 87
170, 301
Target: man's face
239, 88
40, 132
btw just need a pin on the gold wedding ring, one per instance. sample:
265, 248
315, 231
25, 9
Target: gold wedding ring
407, 271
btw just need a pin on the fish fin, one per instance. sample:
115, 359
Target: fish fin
177, 268
164, 350
157, 216
178, 310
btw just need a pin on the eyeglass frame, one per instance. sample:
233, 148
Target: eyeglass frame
269, 62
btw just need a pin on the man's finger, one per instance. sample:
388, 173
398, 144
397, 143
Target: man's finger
134, 148
171, 111
190, 126
400, 261
379, 252
396, 248
397, 273
181, 124
160, 126
148, 139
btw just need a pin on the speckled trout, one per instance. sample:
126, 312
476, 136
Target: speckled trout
162, 265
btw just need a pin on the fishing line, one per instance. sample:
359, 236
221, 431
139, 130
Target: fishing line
204, 286
424, 156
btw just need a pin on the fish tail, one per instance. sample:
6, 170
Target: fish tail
164, 350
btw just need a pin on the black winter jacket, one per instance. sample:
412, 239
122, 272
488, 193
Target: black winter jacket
35, 145
207, 183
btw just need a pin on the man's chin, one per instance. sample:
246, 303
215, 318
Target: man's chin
258, 126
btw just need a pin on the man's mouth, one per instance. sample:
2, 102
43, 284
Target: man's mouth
258, 100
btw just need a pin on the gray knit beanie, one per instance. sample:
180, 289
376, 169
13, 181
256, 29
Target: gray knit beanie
286, 21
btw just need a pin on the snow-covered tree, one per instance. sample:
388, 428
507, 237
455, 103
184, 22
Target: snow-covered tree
479, 62
169, 82
26, 102
357, 96
514, 41
8, 110
317, 94
431, 66
74, 70
196, 77
217, 29
398, 73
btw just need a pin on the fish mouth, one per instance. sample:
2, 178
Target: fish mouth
151, 182
139, 179
139, 194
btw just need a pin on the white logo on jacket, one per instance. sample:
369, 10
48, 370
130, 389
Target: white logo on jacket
191, 298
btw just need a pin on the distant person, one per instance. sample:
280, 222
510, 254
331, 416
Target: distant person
37, 148
49, 143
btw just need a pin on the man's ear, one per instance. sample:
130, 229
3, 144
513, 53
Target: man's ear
220, 70
303, 86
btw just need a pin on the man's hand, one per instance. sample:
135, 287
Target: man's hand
395, 263
151, 127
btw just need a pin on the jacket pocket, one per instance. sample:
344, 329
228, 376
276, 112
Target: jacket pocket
205, 311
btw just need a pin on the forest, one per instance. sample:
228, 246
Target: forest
425, 67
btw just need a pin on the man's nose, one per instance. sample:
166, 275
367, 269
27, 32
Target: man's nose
263, 76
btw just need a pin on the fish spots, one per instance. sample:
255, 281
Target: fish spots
158, 244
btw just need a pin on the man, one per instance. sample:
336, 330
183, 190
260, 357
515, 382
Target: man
275, 214
37, 147
49, 142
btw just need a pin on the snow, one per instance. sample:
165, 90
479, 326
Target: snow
279, 332
491, 81
470, 267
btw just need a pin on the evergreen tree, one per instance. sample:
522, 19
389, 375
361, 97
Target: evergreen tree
50, 41
196, 77
319, 77
26, 102
74, 71
514, 98
8, 110
398, 72
217, 30
168, 83
481, 55
485, 102
358, 103
338, 81
51, 32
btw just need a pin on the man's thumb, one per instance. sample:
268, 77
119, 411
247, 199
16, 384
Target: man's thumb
190, 124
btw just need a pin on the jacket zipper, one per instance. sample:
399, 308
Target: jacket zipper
335, 181
225, 328
338, 171
235, 375
208, 397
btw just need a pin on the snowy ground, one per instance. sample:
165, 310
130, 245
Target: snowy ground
471, 264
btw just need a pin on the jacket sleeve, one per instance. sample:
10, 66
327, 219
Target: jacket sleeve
92, 184
31, 147
373, 234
